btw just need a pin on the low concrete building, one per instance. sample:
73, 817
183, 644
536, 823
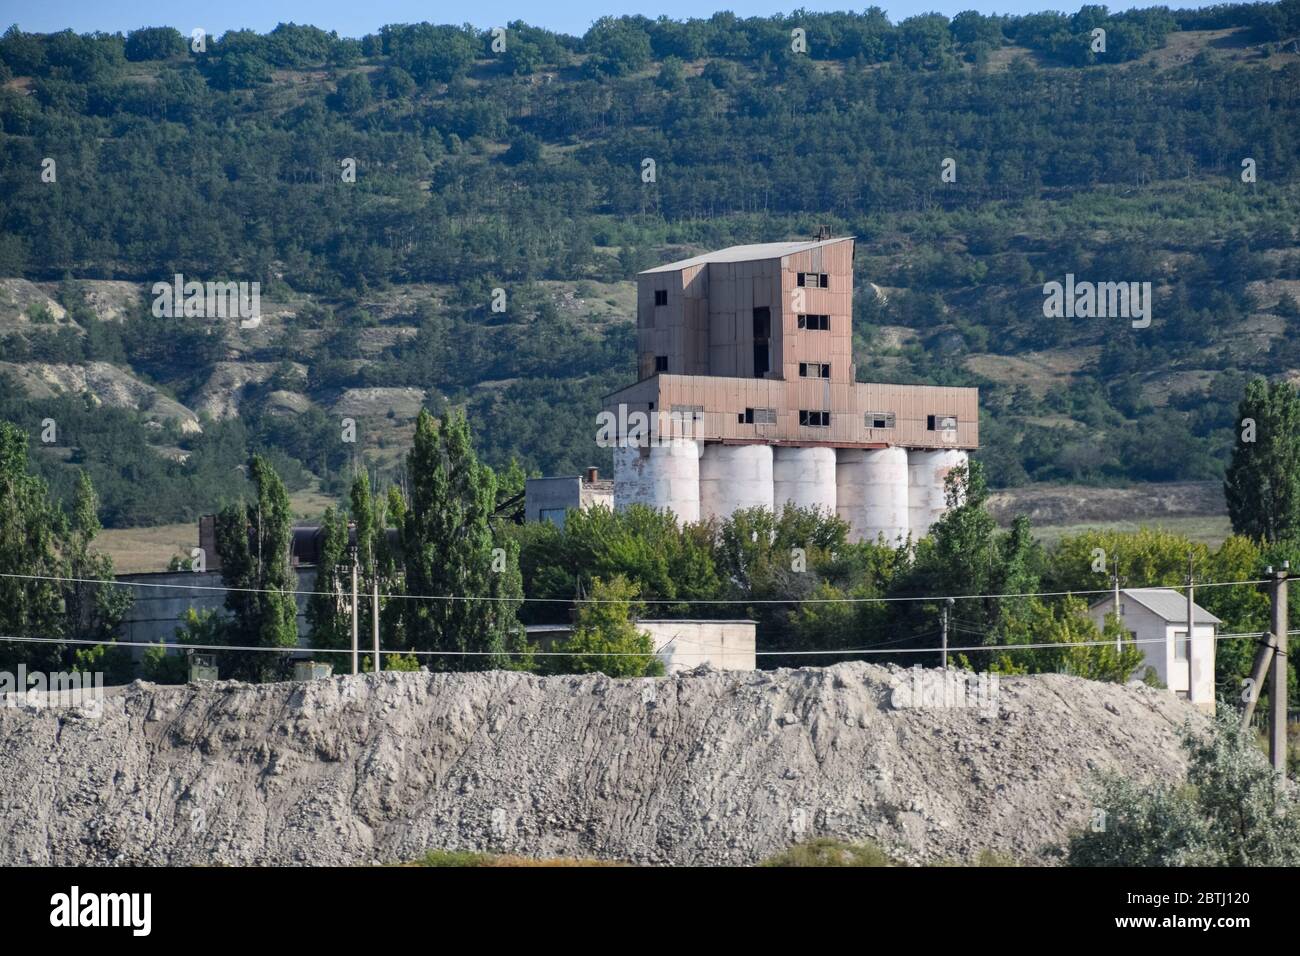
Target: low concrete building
680, 644
725, 645
161, 600
548, 499
1157, 619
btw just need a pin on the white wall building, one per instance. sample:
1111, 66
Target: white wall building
1157, 620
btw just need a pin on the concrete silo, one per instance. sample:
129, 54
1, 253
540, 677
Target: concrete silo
926, 471
872, 490
804, 477
660, 476
733, 477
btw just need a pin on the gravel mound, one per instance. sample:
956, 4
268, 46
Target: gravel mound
705, 767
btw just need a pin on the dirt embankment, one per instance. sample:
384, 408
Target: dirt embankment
701, 768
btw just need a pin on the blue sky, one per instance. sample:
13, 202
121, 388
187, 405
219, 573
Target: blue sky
351, 18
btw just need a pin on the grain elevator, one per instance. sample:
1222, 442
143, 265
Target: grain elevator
748, 398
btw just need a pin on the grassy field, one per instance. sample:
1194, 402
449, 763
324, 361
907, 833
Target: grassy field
1206, 529
135, 550
147, 549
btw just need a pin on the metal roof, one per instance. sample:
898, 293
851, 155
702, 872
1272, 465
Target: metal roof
751, 253
1166, 603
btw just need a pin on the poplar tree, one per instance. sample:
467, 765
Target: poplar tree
448, 548
329, 608
29, 532
1262, 483
253, 541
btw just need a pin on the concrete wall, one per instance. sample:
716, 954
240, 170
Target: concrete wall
726, 645
157, 611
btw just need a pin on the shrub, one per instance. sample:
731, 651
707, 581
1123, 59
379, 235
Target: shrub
1232, 811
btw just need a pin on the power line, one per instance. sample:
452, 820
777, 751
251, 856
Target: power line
874, 649
537, 600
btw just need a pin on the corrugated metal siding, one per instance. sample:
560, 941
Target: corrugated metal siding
707, 332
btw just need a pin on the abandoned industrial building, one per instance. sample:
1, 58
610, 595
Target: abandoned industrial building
746, 354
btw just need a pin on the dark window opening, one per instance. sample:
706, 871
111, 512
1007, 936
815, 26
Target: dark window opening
757, 416
661, 363
941, 423
815, 323
813, 280
814, 418
762, 332
661, 296
814, 370
880, 419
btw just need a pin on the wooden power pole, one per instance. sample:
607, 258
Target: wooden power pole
355, 608
1114, 581
943, 641
1191, 622
375, 622
1277, 686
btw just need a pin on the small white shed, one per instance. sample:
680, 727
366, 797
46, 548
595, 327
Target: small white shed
1157, 619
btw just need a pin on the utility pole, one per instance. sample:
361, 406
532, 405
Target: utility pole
1277, 687
375, 621
1191, 622
943, 639
356, 605
1114, 581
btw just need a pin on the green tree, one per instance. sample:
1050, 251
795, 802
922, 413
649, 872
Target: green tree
1232, 811
154, 43
253, 541
329, 609
1262, 484
605, 639
448, 548
30, 526
94, 610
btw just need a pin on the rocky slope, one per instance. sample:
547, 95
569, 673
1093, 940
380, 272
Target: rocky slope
702, 768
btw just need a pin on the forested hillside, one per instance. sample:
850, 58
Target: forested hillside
518, 161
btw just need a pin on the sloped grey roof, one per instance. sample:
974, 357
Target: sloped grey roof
1165, 603
751, 253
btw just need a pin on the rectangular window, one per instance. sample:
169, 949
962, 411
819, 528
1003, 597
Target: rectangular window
941, 423
757, 416
815, 419
815, 323
1182, 646
814, 370
879, 419
661, 363
661, 296
762, 332
813, 280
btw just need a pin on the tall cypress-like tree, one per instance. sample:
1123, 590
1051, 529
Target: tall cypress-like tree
37, 539
253, 541
94, 611
448, 546
329, 608
30, 526
1262, 483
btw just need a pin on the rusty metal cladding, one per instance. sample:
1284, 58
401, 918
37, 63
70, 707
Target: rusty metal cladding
757, 341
